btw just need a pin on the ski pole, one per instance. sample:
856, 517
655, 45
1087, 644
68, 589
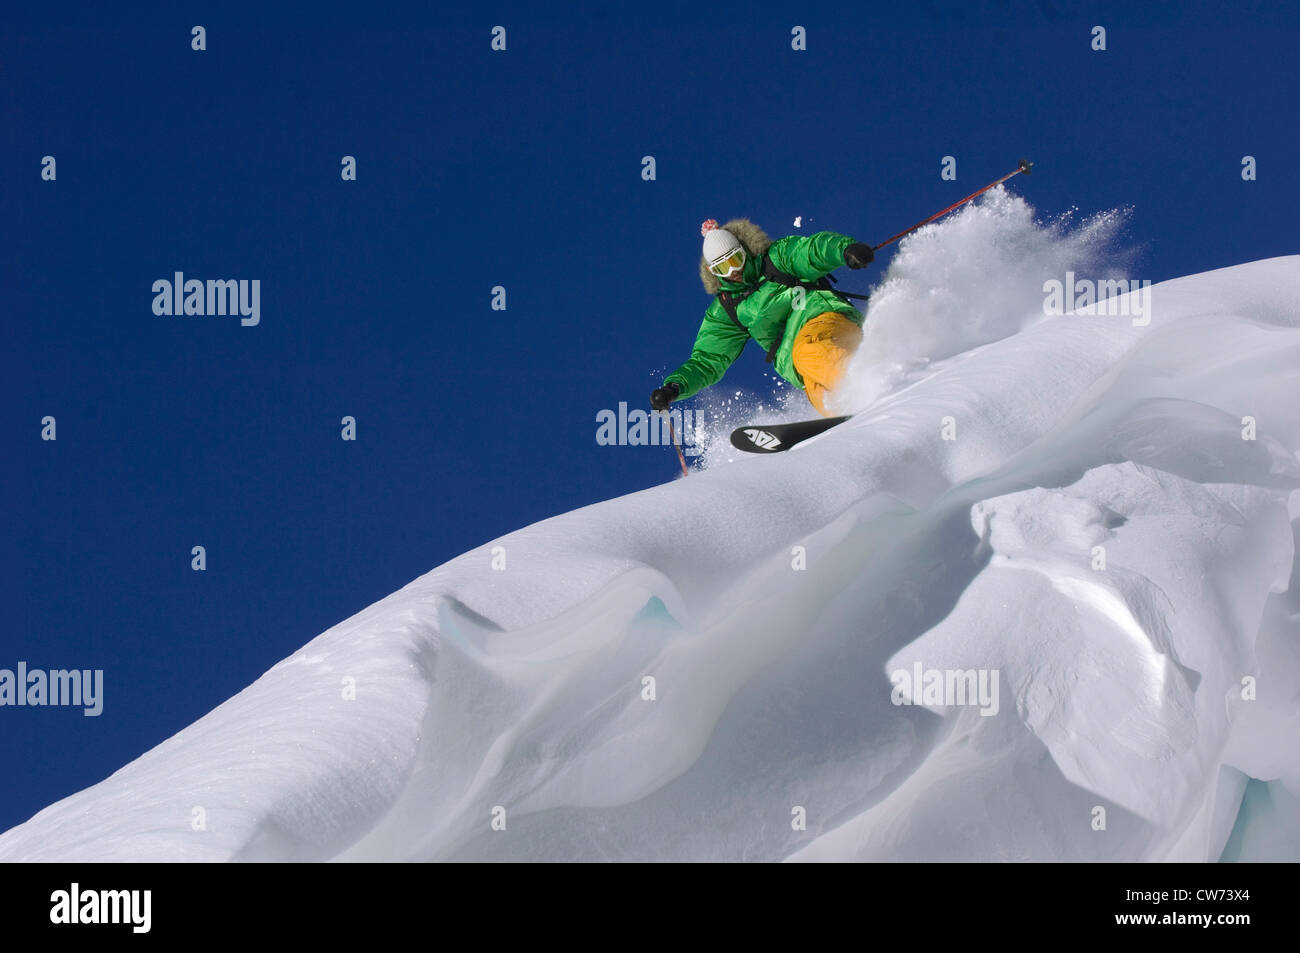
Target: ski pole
1025, 166
672, 432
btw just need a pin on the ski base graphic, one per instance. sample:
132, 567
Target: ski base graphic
776, 438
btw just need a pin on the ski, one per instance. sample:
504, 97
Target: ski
775, 438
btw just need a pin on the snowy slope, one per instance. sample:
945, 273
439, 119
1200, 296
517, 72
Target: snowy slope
521, 686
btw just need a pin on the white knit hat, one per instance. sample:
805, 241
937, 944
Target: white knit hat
718, 242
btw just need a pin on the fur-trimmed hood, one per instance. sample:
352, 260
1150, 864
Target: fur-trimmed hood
748, 234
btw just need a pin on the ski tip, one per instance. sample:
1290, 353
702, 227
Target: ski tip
1026, 166
777, 438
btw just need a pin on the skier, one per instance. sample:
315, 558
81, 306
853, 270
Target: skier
778, 294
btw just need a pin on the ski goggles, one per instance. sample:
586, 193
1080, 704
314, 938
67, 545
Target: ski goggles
726, 266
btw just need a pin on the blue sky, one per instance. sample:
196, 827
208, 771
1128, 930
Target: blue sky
476, 169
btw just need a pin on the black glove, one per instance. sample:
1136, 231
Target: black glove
858, 255
661, 398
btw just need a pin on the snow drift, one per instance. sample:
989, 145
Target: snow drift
1100, 515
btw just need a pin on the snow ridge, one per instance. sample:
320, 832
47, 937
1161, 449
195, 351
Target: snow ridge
705, 670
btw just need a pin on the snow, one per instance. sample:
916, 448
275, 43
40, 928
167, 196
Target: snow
1099, 534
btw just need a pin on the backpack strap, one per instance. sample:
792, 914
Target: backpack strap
729, 302
824, 283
